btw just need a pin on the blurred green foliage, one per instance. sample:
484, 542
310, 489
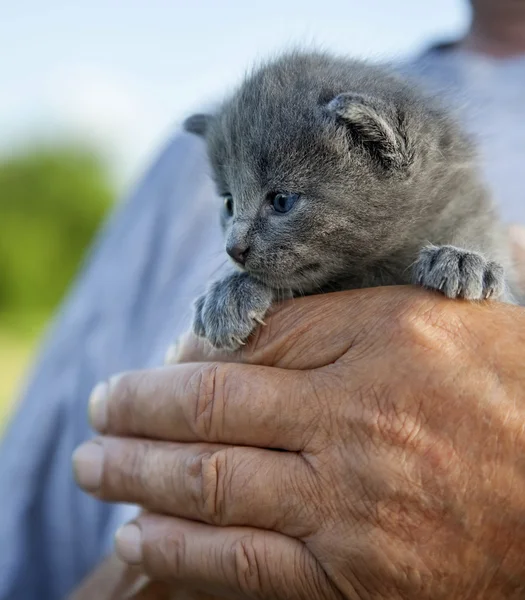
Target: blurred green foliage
52, 200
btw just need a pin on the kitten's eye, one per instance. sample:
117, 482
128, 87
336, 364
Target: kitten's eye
282, 203
228, 204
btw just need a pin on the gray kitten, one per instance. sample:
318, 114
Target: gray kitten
336, 175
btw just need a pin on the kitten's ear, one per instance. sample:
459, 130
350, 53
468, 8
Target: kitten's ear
377, 125
198, 124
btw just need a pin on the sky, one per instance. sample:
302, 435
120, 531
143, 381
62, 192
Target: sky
122, 74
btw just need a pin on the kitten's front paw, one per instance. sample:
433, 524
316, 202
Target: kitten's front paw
230, 310
459, 273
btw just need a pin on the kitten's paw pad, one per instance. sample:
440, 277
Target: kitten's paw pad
230, 311
459, 273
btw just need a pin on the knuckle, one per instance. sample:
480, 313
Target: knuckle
133, 470
167, 557
430, 323
207, 387
247, 564
209, 473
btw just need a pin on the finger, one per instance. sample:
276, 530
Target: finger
302, 333
233, 561
211, 402
191, 348
222, 485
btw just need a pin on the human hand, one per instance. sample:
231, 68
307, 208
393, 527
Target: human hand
401, 415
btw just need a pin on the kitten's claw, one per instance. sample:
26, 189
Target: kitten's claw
230, 310
458, 273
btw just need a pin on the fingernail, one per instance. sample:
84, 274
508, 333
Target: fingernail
98, 407
172, 355
113, 381
88, 463
128, 544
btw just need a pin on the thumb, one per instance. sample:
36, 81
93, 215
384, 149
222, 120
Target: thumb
308, 333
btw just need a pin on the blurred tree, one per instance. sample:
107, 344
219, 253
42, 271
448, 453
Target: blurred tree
52, 200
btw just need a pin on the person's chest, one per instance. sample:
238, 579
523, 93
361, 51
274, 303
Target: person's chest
489, 97
498, 124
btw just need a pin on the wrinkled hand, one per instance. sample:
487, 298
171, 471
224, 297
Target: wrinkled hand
401, 416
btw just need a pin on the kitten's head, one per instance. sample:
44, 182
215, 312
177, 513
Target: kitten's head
315, 160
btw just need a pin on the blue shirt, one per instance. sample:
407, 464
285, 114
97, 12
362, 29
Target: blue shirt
133, 297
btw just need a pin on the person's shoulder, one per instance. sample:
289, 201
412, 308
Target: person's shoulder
181, 143
437, 65
437, 70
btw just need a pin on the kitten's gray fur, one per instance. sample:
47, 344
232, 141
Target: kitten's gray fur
389, 192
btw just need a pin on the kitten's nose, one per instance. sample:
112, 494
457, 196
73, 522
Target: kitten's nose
239, 253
